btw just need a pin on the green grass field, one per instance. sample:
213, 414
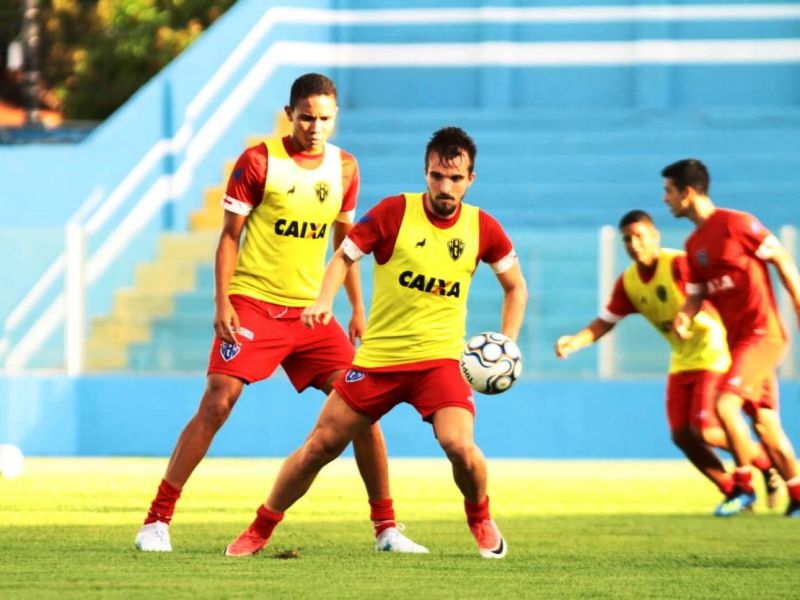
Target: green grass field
575, 529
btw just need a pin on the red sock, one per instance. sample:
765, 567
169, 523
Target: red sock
726, 486
743, 479
265, 522
761, 460
793, 486
163, 505
477, 512
382, 515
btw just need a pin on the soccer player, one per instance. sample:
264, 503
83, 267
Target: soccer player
292, 194
728, 253
426, 248
654, 286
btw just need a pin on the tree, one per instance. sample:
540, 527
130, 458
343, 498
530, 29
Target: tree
97, 53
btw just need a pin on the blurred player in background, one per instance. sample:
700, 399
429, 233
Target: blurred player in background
426, 248
289, 193
728, 253
654, 286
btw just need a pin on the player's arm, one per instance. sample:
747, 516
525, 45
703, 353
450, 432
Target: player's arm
244, 191
682, 323
695, 295
567, 344
352, 285
771, 250
226, 321
515, 297
617, 308
336, 271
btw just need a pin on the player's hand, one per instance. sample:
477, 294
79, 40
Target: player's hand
316, 313
357, 326
226, 321
682, 324
564, 346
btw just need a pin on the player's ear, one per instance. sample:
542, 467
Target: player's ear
472, 177
288, 110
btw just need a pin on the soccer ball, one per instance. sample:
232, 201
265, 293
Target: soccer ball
491, 362
11, 461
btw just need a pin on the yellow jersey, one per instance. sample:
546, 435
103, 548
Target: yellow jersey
659, 299
419, 302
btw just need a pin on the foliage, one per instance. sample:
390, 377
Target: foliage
97, 53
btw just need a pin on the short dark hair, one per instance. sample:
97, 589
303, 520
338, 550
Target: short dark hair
449, 143
688, 172
311, 84
635, 216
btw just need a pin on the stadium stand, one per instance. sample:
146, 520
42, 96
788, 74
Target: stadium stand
575, 108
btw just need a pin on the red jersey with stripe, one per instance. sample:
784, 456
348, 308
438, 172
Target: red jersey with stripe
727, 256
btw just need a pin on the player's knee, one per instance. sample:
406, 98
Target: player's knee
320, 449
216, 406
460, 451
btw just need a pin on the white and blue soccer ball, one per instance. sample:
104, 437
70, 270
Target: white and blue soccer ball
491, 362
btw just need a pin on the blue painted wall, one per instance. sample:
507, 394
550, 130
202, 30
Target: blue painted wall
124, 415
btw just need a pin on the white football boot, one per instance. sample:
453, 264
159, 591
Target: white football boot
393, 540
154, 537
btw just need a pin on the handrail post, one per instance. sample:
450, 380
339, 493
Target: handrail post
74, 298
606, 359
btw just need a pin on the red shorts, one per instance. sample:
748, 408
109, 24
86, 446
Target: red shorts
374, 392
692, 399
271, 335
753, 372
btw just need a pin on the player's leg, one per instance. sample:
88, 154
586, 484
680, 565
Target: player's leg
321, 355
221, 394
453, 427
766, 420
752, 364
336, 427
263, 343
690, 399
218, 399
369, 448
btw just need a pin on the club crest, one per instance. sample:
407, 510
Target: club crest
322, 189
702, 257
229, 351
352, 376
456, 248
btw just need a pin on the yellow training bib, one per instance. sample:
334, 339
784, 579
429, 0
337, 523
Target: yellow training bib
419, 302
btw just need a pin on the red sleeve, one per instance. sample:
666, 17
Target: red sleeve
681, 271
249, 175
749, 231
619, 303
377, 230
691, 275
350, 181
494, 244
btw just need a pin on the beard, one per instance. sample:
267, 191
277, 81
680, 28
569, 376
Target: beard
441, 209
